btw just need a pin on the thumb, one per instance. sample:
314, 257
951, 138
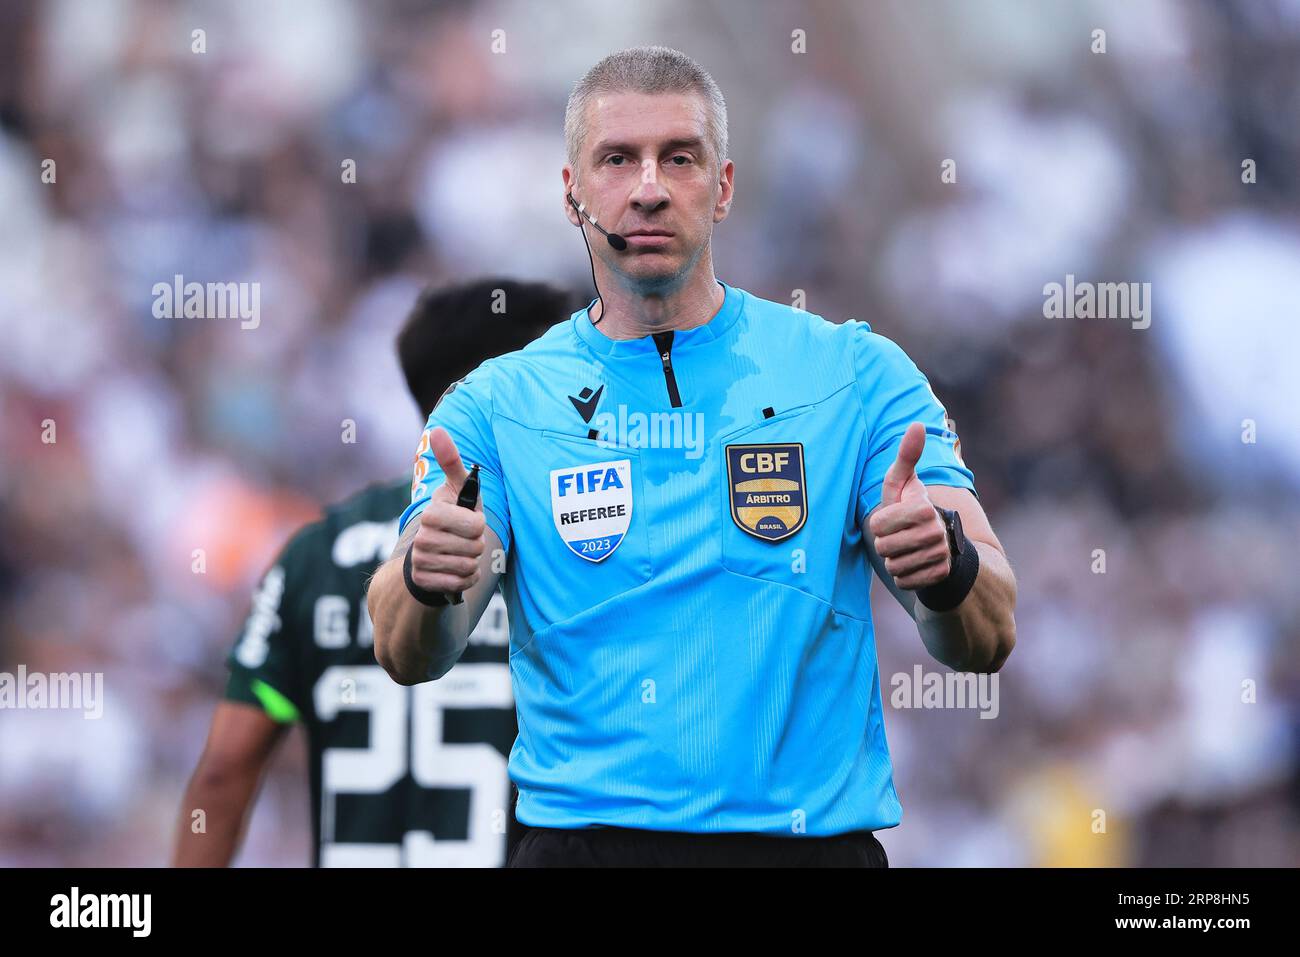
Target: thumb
904, 468
444, 450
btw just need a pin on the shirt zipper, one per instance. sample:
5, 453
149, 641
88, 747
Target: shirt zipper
664, 342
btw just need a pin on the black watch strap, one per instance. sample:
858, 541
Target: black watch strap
949, 593
434, 599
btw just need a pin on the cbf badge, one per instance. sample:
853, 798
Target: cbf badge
592, 507
768, 491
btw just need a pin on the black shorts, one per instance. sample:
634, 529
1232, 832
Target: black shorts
624, 847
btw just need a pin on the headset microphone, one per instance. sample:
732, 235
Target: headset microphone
614, 239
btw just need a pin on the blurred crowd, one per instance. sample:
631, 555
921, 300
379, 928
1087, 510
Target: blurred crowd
1145, 482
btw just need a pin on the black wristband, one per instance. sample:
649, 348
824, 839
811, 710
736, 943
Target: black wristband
949, 593
434, 599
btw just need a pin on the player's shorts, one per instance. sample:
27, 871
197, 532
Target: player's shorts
625, 847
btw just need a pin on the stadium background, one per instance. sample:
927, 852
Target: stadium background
1125, 690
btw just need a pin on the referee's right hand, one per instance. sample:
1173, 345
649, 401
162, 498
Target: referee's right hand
450, 539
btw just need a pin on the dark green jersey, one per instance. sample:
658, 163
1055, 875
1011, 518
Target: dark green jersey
399, 776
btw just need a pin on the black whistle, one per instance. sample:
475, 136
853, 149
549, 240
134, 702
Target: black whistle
468, 498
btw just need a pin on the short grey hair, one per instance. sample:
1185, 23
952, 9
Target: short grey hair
651, 69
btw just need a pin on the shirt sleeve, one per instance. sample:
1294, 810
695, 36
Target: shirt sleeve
264, 661
895, 394
465, 411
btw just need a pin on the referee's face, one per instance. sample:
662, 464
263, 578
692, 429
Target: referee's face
647, 171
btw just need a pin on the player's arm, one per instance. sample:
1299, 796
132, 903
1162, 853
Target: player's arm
221, 790
452, 550
908, 546
250, 722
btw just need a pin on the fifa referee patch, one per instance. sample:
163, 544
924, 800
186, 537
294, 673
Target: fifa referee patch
767, 488
592, 507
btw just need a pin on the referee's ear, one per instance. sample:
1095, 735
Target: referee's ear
570, 178
726, 181
444, 450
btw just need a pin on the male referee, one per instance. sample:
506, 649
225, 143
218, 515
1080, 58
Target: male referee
682, 489
398, 777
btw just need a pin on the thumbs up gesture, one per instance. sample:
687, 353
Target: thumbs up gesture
906, 528
450, 539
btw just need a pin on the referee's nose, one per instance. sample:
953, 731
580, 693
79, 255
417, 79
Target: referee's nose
649, 195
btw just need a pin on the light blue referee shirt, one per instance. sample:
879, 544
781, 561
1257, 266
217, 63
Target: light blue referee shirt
687, 582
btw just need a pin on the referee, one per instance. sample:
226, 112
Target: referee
681, 489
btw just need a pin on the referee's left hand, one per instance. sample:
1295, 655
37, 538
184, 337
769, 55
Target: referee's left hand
906, 529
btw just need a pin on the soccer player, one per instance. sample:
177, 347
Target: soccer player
399, 776
690, 485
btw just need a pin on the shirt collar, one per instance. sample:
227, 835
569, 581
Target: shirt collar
715, 328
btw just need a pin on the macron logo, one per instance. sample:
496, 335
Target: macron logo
586, 401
